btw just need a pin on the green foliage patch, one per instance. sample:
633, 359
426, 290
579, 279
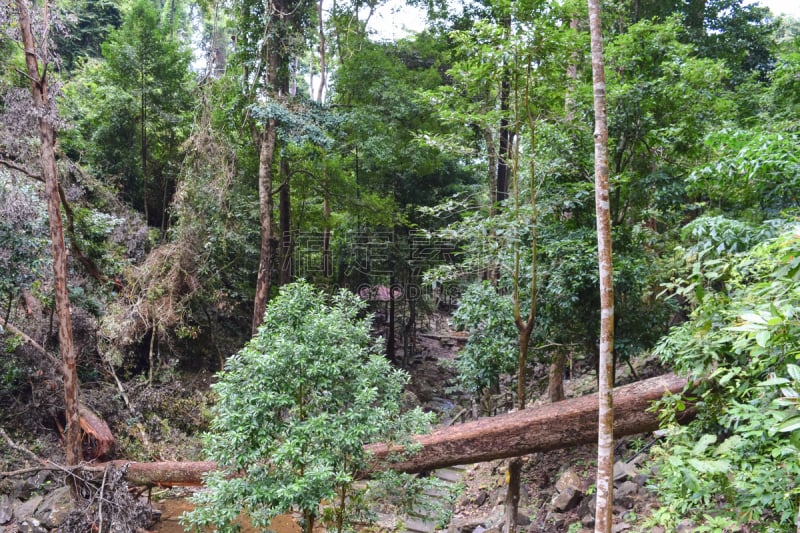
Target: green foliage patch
295, 408
741, 344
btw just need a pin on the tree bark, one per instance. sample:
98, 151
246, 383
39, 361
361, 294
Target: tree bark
285, 225
555, 382
47, 137
322, 66
540, 429
266, 158
605, 438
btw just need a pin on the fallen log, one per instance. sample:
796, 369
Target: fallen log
536, 429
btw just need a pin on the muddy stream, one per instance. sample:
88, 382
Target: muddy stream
172, 509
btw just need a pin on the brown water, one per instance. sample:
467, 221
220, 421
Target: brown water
172, 509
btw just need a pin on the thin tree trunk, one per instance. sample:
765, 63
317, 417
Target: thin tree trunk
390, 340
503, 158
605, 431
572, 77
513, 476
285, 226
143, 148
263, 282
327, 269
47, 137
322, 65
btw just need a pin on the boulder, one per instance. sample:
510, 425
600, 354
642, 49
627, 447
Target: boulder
627, 488
566, 500
31, 525
54, 508
569, 479
468, 524
481, 498
28, 508
586, 510
6, 509
624, 470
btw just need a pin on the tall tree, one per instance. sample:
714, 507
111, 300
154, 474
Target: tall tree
269, 33
149, 66
43, 105
605, 430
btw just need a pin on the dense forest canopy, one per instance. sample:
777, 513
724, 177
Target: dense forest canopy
209, 153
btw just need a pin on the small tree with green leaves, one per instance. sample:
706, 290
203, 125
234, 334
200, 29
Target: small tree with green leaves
295, 408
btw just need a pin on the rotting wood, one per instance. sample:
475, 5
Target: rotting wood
536, 429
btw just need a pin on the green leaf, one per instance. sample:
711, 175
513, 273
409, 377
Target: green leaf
792, 424
771, 382
762, 338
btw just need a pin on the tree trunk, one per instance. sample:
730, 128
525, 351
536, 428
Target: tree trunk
327, 267
572, 77
605, 437
47, 137
513, 477
285, 226
322, 65
555, 382
263, 282
391, 348
503, 158
541, 429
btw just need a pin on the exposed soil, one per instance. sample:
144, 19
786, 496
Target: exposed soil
172, 509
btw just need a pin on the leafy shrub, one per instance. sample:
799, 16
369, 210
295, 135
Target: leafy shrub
295, 408
738, 459
492, 346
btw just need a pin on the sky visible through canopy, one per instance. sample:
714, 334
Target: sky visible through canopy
396, 20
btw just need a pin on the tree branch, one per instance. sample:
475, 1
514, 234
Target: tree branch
31, 342
19, 168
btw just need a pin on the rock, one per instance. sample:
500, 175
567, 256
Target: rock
569, 479
622, 526
626, 489
479, 529
28, 508
497, 518
685, 526
499, 495
658, 529
31, 525
586, 510
6, 510
468, 524
625, 494
566, 499
523, 519
424, 392
624, 470
559, 522
481, 498
21, 490
410, 400
54, 508
38, 480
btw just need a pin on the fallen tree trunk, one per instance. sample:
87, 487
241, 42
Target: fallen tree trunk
536, 429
